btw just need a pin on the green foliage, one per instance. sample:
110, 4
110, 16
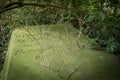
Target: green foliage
4, 38
106, 26
111, 45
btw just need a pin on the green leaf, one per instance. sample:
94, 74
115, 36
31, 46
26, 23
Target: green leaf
103, 15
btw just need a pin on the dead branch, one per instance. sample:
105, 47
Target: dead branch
18, 4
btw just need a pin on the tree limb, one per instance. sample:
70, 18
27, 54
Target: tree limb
18, 4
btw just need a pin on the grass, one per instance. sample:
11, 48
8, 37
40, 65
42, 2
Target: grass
56, 52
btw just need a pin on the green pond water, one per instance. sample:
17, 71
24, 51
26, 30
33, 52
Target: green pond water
56, 52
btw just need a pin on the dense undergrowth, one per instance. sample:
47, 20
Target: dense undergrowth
105, 32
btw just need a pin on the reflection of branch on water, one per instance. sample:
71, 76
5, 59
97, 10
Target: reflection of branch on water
42, 50
68, 35
45, 57
63, 63
46, 62
46, 66
34, 38
72, 73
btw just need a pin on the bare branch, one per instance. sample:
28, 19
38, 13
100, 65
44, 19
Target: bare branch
18, 4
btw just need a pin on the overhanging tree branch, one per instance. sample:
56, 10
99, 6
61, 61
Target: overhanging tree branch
18, 4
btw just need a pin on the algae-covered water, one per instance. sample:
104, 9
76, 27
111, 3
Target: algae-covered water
56, 52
